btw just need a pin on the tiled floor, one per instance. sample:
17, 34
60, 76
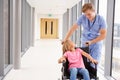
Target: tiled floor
40, 63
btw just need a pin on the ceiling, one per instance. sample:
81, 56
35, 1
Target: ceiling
52, 6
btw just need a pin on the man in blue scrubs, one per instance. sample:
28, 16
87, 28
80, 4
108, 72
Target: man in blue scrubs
94, 30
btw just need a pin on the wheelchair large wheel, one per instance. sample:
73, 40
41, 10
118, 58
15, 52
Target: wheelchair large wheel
79, 79
97, 78
63, 78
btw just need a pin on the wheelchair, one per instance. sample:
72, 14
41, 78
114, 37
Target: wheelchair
92, 71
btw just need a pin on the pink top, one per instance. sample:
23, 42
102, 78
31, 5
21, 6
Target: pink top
75, 59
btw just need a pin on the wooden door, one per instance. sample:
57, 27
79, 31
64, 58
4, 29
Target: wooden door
49, 28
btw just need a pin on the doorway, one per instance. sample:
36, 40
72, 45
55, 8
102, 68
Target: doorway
49, 28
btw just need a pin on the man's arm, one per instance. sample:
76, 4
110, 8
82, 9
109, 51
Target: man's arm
100, 37
70, 32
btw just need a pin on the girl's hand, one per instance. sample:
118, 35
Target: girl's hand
94, 61
61, 60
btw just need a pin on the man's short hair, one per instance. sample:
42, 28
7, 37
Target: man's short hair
87, 6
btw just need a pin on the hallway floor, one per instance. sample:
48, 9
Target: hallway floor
40, 62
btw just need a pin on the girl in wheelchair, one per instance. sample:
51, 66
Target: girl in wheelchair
74, 57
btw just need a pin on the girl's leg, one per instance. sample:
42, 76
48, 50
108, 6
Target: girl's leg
73, 73
84, 72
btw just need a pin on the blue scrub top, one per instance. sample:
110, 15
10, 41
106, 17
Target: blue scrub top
91, 29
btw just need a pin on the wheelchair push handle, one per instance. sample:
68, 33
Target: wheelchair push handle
87, 44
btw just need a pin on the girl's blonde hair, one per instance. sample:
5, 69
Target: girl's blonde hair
66, 46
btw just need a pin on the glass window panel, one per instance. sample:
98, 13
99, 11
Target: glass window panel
116, 43
103, 12
7, 32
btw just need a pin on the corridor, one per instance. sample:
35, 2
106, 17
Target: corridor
40, 62
31, 32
